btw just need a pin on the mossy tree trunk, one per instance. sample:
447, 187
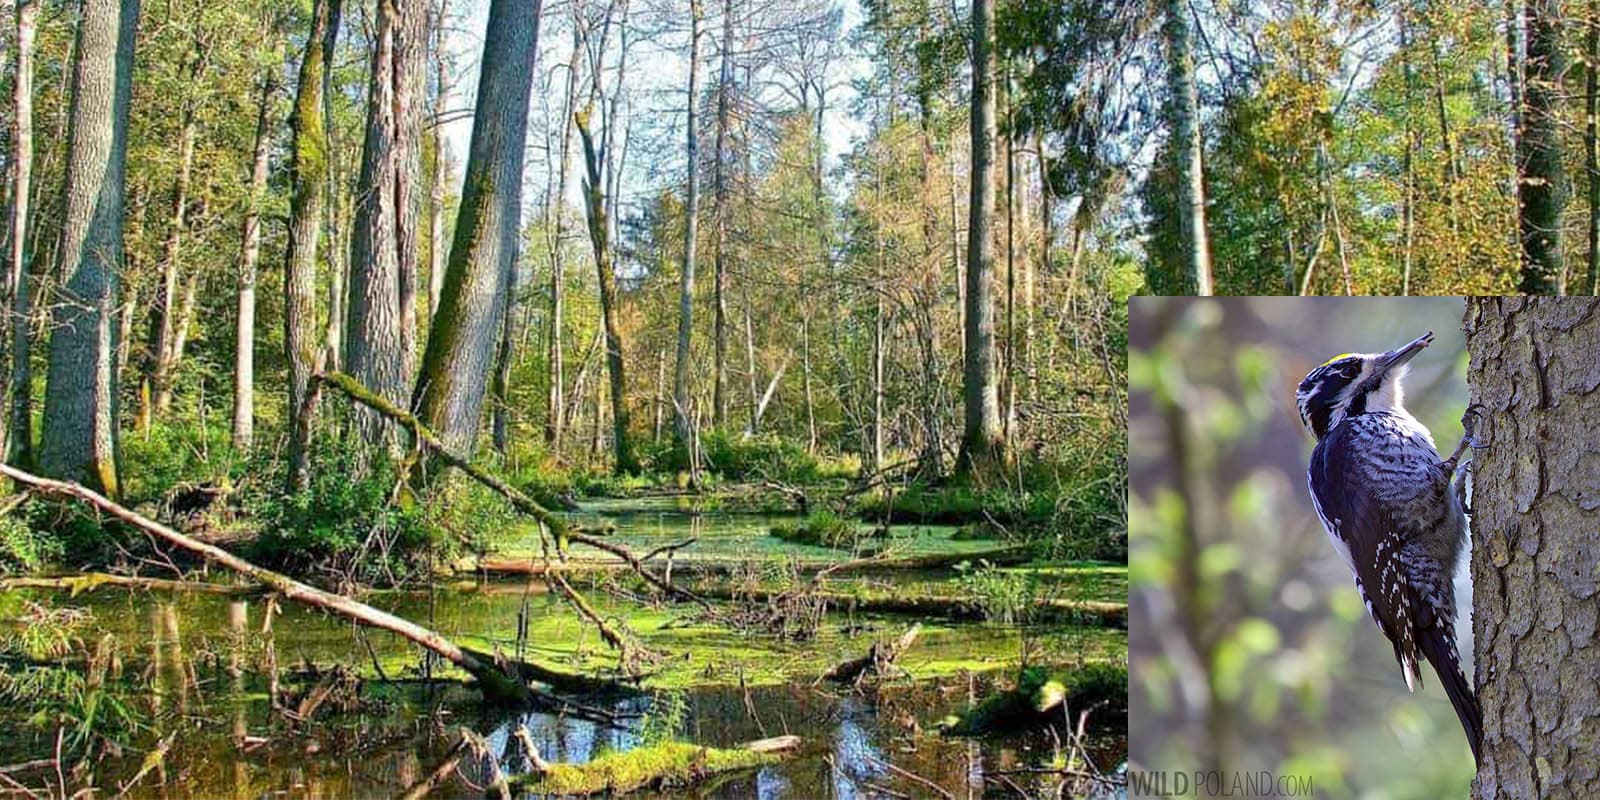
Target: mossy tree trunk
1183, 110
1533, 376
378, 351
308, 178
455, 368
982, 445
80, 422
599, 232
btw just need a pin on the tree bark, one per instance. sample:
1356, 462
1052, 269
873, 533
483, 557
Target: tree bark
308, 178
456, 367
1184, 111
80, 422
1532, 376
19, 443
376, 348
981, 441
681, 428
244, 374
555, 419
616, 364
1542, 188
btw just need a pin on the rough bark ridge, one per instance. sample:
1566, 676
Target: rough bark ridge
80, 418
455, 369
378, 351
1534, 375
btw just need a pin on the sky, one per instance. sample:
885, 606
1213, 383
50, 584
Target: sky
657, 79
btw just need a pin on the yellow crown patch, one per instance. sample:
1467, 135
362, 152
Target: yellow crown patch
1336, 358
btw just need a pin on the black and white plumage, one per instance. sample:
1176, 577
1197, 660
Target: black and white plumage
1384, 495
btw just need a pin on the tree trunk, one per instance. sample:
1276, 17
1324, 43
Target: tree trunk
599, 232
500, 387
1542, 187
441, 97
455, 370
1183, 112
555, 420
719, 363
244, 374
1532, 372
80, 421
19, 446
681, 428
155, 395
981, 442
308, 179
376, 349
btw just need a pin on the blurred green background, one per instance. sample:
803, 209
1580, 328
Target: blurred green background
1250, 649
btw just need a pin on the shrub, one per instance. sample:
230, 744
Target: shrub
739, 457
822, 529
23, 549
171, 453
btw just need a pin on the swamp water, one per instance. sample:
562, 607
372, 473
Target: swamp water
189, 670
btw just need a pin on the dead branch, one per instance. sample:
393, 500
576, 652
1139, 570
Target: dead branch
495, 684
877, 662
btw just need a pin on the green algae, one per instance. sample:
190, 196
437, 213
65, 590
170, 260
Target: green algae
663, 765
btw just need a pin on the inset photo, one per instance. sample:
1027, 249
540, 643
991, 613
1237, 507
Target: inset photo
1363, 537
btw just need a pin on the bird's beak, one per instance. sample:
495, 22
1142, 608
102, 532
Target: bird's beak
1396, 357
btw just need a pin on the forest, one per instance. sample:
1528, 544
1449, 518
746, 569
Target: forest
566, 397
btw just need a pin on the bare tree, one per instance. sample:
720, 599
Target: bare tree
680, 381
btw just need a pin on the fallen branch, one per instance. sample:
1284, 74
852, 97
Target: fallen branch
496, 685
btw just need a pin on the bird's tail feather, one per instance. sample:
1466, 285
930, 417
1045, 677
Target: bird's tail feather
1440, 650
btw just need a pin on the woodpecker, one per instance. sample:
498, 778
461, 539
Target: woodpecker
1385, 497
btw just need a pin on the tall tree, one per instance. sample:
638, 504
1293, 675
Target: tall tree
456, 365
982, 443
308, 179
1530, 373
244, 371
167, 318
1542, 190
80, 412
380, 335
599, 232
556, 410
719, 333
681, 425
19, 447
1183, 109
1591, 140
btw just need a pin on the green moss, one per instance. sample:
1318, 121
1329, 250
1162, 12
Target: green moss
821, 529
1037, 697
668, 764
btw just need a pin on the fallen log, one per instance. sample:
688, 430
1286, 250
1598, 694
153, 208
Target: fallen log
878, 660
665, 765
89, 581
1105, 614
496, 685
1000, 556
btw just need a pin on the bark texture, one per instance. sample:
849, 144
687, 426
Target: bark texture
380, 334
1183, 111
308, 177
455, 369
981, 441
80, 422
1541, 187
1534, 377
